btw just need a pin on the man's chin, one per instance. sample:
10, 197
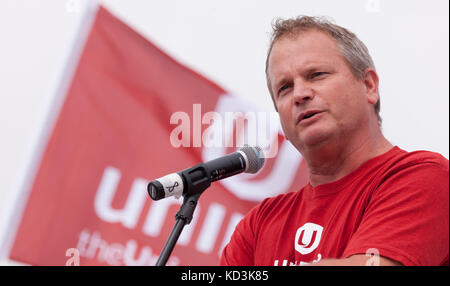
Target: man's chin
314, 139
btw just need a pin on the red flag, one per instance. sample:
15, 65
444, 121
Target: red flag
114, 134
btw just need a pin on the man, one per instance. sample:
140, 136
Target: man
367, 202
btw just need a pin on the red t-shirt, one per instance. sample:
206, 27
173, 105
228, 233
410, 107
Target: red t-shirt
394, 205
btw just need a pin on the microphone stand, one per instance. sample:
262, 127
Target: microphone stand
183, 217
196, 184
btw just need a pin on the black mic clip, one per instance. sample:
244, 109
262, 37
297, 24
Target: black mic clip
196, 179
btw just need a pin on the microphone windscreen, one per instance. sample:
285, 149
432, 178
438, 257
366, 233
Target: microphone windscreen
255, 157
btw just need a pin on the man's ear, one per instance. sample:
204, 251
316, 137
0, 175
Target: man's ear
371, 84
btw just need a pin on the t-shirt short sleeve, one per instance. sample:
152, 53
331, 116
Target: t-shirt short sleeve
406, 218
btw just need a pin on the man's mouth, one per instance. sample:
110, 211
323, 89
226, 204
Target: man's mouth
307, 114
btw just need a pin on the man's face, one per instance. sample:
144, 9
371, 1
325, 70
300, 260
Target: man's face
317, 96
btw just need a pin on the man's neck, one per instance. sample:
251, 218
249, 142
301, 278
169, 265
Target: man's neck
327, 165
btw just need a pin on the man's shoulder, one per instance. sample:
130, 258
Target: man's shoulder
280, 201
414, 166
421, 157
272, 210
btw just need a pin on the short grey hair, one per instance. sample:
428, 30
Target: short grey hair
352, 49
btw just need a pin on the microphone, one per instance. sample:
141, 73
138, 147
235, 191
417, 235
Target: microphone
196, 179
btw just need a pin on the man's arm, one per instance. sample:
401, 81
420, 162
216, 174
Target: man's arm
358, 260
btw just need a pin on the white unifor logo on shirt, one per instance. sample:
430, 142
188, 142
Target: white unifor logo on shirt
307, 238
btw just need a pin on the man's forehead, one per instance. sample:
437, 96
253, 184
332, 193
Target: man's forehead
312, 41
307, 50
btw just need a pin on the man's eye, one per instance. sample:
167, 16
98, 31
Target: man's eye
282, 88
317, 74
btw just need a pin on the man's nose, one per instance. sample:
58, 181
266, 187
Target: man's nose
302, 93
